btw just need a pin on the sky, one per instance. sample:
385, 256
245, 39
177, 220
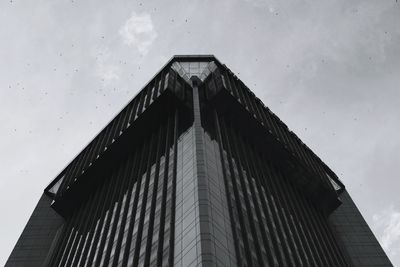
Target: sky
329, 69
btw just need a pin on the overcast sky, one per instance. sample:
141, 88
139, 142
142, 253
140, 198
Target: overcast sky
329, 69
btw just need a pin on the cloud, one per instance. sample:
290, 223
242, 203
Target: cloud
388, 224
106, 70
138, 31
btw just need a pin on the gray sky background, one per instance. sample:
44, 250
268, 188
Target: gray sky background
329, 69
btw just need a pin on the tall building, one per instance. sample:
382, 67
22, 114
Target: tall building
196, 170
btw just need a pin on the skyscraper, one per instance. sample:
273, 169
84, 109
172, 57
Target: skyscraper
195, 170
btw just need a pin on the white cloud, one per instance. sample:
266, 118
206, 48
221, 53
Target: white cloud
138, 31
106, 70
110, 73
388, 224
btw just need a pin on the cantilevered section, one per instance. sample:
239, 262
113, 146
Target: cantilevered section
221, 87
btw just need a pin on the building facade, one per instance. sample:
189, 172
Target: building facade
196, 170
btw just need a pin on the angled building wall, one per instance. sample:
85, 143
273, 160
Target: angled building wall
355, 235
38, 236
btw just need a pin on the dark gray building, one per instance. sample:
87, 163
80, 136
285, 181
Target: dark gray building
195, 170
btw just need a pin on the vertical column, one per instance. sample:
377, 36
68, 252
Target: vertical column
160, 247
227, 191
206, 247
173, 196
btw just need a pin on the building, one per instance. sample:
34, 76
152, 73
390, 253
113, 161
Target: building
195, 170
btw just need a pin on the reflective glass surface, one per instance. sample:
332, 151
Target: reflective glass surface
188, 69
